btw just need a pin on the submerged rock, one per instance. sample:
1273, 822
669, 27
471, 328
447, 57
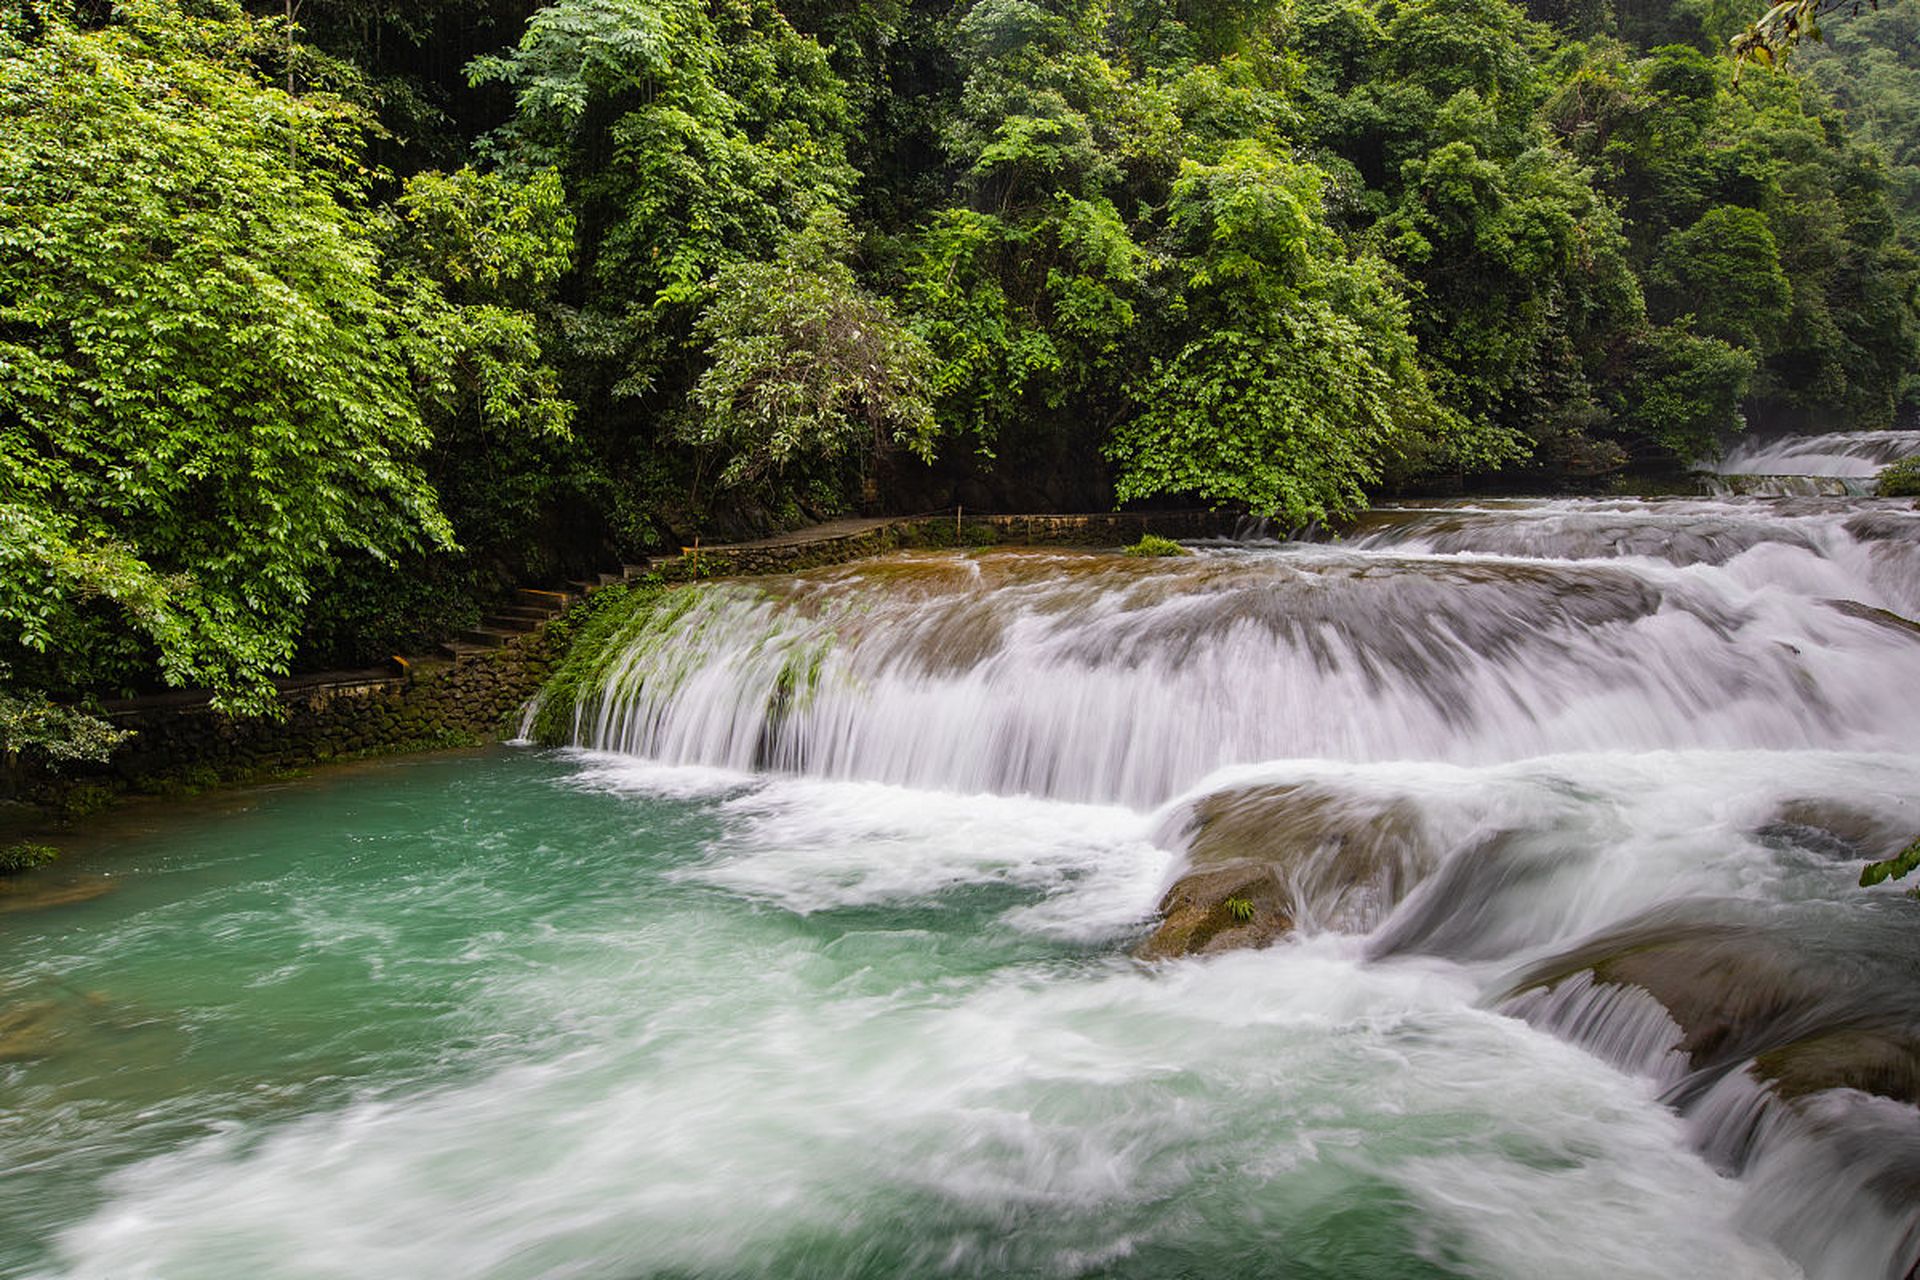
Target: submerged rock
37, 894
1879, 617
1837, 830
1790, 1043
28, 1030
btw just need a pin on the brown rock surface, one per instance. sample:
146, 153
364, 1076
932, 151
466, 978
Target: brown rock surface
1298, 854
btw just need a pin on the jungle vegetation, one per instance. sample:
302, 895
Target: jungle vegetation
321, 323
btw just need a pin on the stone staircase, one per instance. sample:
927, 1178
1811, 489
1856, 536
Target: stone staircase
530, 608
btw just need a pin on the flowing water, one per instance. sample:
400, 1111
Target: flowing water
810, 960
1837, 456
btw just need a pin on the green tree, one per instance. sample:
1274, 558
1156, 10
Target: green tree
1725, 271
1686, 390
806, 371
210, 385
1297, 382
470, 262
1750, 208
690, 138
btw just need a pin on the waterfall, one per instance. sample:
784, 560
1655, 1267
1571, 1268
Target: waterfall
1831, 453
1616, 761
1456, 633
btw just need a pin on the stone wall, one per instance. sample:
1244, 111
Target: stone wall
1108, 529
181, 745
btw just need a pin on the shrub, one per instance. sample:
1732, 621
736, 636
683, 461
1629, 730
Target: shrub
1894, 868
1901, 480
24, 855
1152, 545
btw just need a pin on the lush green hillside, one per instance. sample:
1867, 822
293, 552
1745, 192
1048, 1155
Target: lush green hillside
313, 336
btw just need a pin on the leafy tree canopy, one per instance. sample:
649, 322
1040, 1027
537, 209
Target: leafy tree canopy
213, 379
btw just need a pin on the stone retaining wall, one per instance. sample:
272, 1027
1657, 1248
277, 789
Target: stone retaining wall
182, 745
1109, 529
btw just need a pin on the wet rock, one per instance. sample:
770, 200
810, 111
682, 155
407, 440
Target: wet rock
1231, 908
1838, 830
1879, 617
1791, 1002
1884, 526
1295, 855
1798, 1053
1885, 1064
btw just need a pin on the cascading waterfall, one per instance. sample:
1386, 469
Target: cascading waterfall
1095, 678
1849, 454
1548, 730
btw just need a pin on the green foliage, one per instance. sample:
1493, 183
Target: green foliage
1240, 910
584, 640
1758, 216
1686, 390
1300, 380
191, 423
470, 254
23, 855
1895, 868
1901, 480
1153, 546
211, 384
1780, 28
365, 610
1725, 271
806, 369
691, 138
32, 725
1870, 67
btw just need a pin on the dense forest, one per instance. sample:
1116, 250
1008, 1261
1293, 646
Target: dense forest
323, 322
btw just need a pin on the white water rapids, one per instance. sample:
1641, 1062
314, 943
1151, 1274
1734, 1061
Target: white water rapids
812, 959
1848, 454
1470, 635
1593, 712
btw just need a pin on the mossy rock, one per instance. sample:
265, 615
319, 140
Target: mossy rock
1264, 858
1232, 908
1806, 1014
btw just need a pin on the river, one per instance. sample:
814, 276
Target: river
811, 959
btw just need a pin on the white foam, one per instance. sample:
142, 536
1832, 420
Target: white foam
1022, 1126
814, 845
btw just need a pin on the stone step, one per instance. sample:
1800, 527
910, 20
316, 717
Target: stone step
608, 579
458, 649
581, 586
632, 571
530, 612
486, 637
538, 598
502, 622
